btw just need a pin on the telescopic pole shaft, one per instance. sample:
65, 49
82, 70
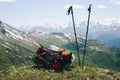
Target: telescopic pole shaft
75, 37
86, 35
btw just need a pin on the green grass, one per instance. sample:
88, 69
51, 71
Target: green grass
29, 73
12, 53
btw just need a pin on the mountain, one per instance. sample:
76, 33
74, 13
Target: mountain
108, 33
97, 30
13, 54
110, 39
2, 30
100, 54
17, 46
97, 52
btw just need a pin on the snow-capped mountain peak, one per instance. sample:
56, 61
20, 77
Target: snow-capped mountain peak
112, 22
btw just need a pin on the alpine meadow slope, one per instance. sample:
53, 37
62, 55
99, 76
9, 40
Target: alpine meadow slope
17, 47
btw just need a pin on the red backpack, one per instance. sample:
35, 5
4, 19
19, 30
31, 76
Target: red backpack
58, 60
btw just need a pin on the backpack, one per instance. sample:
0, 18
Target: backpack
49, 58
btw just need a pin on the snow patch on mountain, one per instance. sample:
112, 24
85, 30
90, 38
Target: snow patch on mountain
15, 36
6, 46
59, 37
112, 22
67, 35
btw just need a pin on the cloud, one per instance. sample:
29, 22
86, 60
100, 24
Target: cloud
115, 1
75, 6
101, 6
7, 0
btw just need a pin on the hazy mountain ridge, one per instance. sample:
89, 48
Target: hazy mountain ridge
97, 30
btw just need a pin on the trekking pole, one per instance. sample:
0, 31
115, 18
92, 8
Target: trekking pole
89, 9
77, 47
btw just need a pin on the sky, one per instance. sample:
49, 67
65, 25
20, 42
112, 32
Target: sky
41, 12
